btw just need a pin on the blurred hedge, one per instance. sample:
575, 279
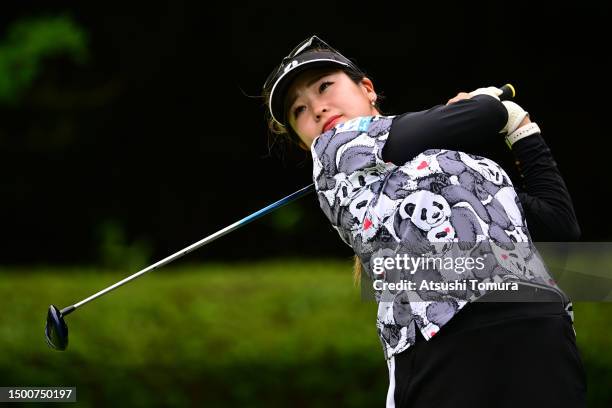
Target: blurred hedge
266, 334
28, 42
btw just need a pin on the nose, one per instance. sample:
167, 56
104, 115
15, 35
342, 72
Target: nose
319, 110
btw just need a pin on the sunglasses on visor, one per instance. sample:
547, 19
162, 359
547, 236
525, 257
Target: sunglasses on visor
310, 43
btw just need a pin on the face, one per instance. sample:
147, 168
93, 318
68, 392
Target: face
321, 99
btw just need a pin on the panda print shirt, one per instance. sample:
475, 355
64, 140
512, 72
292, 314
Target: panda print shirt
412, 223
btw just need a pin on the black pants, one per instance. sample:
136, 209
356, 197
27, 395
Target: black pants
493, 354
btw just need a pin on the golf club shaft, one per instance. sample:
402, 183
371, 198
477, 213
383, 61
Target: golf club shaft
507, 93
195, 246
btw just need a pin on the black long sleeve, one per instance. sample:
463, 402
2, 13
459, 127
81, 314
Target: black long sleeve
466, 125
543, 193
469, 124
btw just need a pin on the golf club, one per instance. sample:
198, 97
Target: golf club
56, 330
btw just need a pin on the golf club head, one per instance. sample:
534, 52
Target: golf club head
56, 330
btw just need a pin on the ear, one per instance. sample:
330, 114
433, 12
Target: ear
368, 88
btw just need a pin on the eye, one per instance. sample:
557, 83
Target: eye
298, 110
324, 85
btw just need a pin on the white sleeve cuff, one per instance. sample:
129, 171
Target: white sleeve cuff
524, 131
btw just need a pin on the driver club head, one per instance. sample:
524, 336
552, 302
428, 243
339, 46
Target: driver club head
56, 330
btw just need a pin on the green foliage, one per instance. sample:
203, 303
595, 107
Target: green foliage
288, 217
26, 46
116, 253
271, 334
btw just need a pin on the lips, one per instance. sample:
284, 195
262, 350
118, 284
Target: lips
331, 122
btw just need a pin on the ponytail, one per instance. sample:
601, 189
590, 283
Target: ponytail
357, 269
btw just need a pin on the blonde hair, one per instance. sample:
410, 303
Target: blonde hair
357, 270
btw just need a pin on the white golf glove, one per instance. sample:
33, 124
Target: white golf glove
516, 114
490, 90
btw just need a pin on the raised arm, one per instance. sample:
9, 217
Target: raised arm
465, 124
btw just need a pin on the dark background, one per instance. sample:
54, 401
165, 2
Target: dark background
159, 137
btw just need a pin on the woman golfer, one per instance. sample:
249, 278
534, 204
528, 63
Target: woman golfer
468, 315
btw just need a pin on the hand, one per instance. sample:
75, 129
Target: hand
460, 96
517, 117
491, 91
525, 121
